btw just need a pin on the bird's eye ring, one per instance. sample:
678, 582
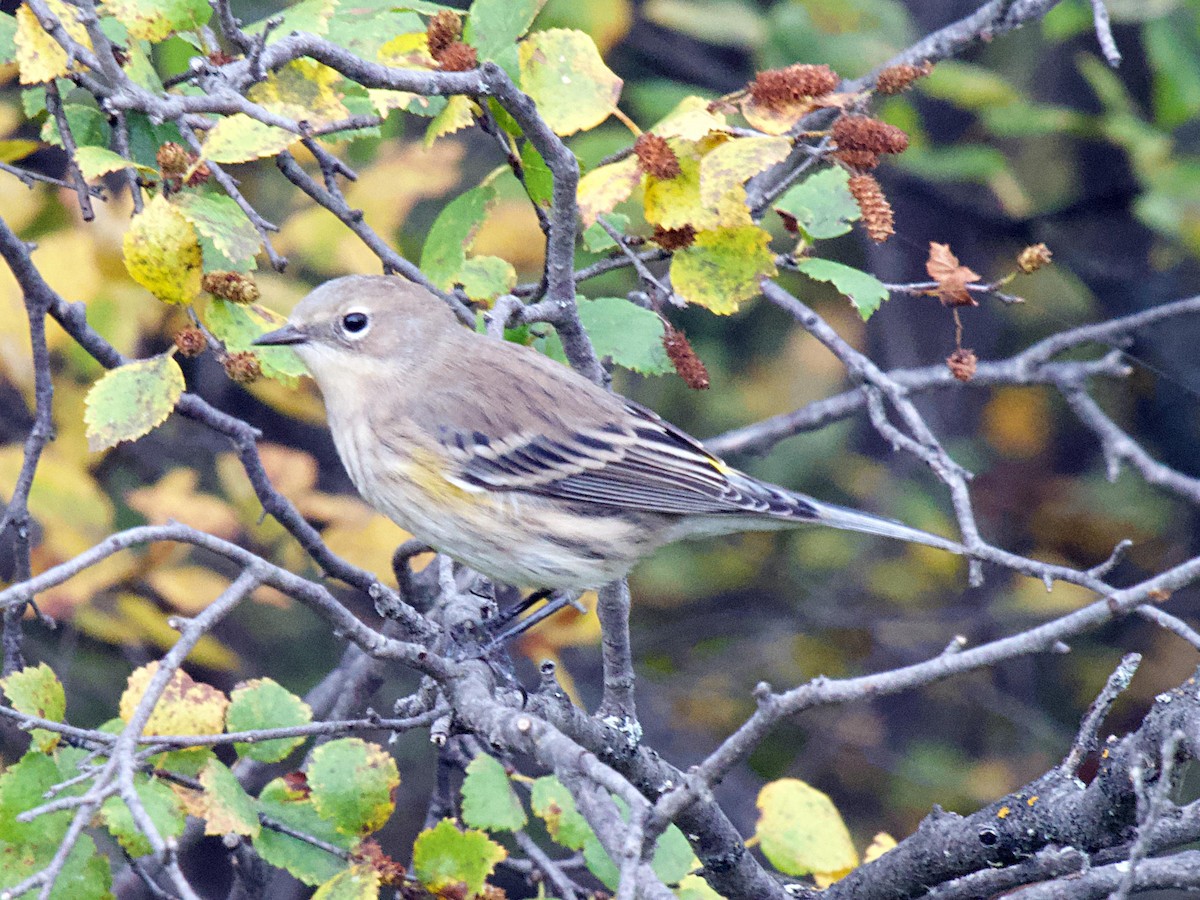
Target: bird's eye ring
355, 323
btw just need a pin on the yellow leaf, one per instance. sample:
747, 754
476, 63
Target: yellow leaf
185, 706
407, 51
304, 90
174, 497
188, 589
880, 844
562, 71
735, 162
12, 150
162, 252
239, 138
368, 544
1017, 422
778, 116
141, 622
690, 120
723, 267
39, 55
459, 113
601, 189
801, 831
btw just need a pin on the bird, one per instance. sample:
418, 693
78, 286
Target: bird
510, 462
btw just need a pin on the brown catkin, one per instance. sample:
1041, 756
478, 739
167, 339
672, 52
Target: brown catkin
858, 160
778, 86
962, 363
444, 29
865, 133
876, 211
233, 286
689, 366
1033, 258
173, 159
895, 79
674, 238
242, 367
457, 57
655, 156
190, 341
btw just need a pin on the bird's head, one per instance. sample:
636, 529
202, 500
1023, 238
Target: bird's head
362, 324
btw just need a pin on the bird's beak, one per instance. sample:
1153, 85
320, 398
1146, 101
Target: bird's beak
288, 334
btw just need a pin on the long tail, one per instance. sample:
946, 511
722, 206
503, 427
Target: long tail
853, 520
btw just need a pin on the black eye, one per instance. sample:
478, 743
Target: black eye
354, 322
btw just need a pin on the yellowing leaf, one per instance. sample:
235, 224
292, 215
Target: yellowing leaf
735, 162
484, 278
723, 267
407, 51
458, 114
880, 844
174, 497
131, 400
154, 20
304, 90
36, 691
39, 56
162, 252
239, 138
562, 71
444, 856
352, 783
690, 120
96, 161
601, 189
778, 116
185, 706
226, 807
359, 882
801, 832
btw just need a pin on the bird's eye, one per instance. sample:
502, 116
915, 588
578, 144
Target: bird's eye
355, 323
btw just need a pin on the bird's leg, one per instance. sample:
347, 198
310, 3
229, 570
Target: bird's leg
512, 612
555, 601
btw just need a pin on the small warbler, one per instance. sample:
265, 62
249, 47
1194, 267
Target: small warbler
509, 461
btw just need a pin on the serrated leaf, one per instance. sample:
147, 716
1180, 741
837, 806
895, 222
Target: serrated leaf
723, 267
239, 138
219, 218
488, 799
671, 862
359, 882
690, 120
604, 187
262, 703
226, 806
444, 856
630, 335
22, 787
597, 240
161, 804
96, 161
484, 278
352, 783
493, 26
304, 90
801, 832
562, 71
184, 707
822, 204
155, 20
132, 400
308, 863
553, 803
676, 202
458, 113
89, 126
733, 163
162, 252
863, 290
237, 326
452, 234
85, 875
407, 51
39, 56
36, 691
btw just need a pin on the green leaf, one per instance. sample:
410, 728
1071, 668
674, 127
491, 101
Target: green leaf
673, 857
96, 161
597, 240
494, 25
444, 856
352, 783
237, 326
85, 875
89, 126
161, 804
969, 86
263, 703
308, 863
8, 45
359, 882
239, 138
539, 181
484, 278
865, 291
155, 20
219, 218
724, 23
362, 27
563, 72
145, 137
36, 691
131, 400
630, 335
488, 799
553, 803
723, 267
1172, 50
821, 204
22, 787
801, 832
452, 233
227, 806
308, 15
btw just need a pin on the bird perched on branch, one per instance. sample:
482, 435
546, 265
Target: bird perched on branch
510, 462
